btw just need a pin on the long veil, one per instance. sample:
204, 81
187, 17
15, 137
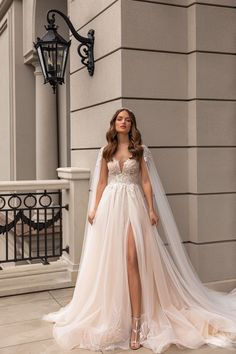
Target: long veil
220, 302
91, 200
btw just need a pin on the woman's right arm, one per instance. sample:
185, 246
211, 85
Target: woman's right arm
101, 183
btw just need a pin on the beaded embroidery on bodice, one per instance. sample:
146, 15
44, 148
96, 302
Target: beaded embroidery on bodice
128, 173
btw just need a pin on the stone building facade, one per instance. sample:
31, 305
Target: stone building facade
173, 63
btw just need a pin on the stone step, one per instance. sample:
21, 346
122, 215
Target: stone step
35, 277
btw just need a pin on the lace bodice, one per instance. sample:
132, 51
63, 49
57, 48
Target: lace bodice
127, 173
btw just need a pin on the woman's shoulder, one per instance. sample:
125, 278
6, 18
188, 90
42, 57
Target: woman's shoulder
145, 148
102, 148
146, 152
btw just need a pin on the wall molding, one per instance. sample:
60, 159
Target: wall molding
187, 5
155, 51
153, 99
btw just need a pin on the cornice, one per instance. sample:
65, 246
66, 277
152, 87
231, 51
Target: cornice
30, 57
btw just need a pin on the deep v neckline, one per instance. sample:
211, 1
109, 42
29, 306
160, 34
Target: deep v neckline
121, 170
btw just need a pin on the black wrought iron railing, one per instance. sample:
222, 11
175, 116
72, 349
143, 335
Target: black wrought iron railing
31, 226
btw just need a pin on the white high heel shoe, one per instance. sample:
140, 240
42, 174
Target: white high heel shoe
135, 343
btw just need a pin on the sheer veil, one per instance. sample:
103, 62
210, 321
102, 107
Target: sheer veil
221, 303
91, 200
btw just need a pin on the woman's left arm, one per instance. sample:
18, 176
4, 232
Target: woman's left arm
147, 189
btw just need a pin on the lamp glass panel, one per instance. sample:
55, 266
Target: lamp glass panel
60, 59
50, 59
64, 60
39, 50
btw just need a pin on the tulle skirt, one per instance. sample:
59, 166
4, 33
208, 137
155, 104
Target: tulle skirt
99, 314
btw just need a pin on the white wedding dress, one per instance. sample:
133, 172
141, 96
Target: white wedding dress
176, 307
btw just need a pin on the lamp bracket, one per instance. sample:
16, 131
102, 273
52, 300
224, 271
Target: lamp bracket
87, 43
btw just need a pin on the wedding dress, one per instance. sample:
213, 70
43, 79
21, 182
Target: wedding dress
176, 307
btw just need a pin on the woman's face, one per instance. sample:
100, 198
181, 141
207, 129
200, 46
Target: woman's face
123, 122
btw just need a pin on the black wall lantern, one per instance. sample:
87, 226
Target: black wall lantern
53, 50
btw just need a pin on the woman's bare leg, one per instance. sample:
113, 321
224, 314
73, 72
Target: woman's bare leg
133, 275
134, 289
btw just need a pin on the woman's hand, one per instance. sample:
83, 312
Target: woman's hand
91, 216
154, 218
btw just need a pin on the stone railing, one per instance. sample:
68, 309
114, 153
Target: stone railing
41, 231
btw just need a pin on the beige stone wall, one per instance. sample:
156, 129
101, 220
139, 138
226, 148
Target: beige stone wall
173, 63
21, 21
17, 104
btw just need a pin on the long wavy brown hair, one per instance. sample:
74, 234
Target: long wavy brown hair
135, 140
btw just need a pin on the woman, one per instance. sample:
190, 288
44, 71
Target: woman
132, 289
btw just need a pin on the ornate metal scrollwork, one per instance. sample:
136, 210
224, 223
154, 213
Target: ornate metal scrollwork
87, 43
42, 238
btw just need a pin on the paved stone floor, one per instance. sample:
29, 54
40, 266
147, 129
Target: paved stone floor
23, 332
